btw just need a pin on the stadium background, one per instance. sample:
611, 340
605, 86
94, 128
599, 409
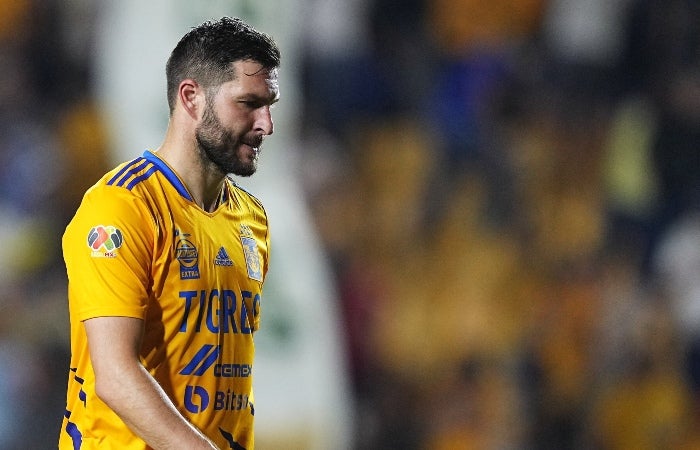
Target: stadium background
484, 214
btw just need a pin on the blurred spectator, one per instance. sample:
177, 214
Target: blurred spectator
677, 264
646, 405
663, 62
525, 261
40, 79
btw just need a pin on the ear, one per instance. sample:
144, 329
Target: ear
191, 96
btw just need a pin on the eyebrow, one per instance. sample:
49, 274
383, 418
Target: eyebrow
260, 99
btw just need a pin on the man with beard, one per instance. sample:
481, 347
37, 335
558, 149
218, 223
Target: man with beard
166, 258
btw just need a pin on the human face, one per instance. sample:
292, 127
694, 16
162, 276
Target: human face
237, 118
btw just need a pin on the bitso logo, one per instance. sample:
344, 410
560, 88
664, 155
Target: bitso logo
104, 240
196, 399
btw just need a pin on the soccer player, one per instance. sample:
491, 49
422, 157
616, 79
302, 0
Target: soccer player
166, 258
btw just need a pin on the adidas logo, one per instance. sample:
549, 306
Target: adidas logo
222, 258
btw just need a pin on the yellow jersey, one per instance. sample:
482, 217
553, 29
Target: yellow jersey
138, 246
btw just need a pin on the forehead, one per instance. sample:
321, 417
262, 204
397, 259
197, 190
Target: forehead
251, 78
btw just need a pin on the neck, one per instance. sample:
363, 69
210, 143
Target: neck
209, 190
204, 182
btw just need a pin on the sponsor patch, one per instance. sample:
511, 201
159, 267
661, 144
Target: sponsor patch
188, 256
104, 241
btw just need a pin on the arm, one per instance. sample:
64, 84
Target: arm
124, 384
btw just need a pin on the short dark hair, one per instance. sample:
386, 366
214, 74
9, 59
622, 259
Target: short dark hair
207, 53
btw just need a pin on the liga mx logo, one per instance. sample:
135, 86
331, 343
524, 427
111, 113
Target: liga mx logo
104, 240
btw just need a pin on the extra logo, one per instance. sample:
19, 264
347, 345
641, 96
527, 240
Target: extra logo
188, 257
104, 241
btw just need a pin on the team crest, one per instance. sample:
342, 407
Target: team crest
246, 231
250, 251
104, 241
187, 255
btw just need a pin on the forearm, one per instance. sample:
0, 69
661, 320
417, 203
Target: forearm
134, 395
124, 384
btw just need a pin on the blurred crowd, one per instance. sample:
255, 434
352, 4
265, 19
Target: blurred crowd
508, 193
53, 145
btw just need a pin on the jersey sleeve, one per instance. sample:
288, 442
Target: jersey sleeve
108, 248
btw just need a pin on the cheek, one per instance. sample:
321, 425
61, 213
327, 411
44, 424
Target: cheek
233, 121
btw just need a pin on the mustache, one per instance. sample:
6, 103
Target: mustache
255, 141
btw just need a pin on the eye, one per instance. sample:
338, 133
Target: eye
251, 104
255, 103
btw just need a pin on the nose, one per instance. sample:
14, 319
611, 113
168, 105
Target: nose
263, 120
